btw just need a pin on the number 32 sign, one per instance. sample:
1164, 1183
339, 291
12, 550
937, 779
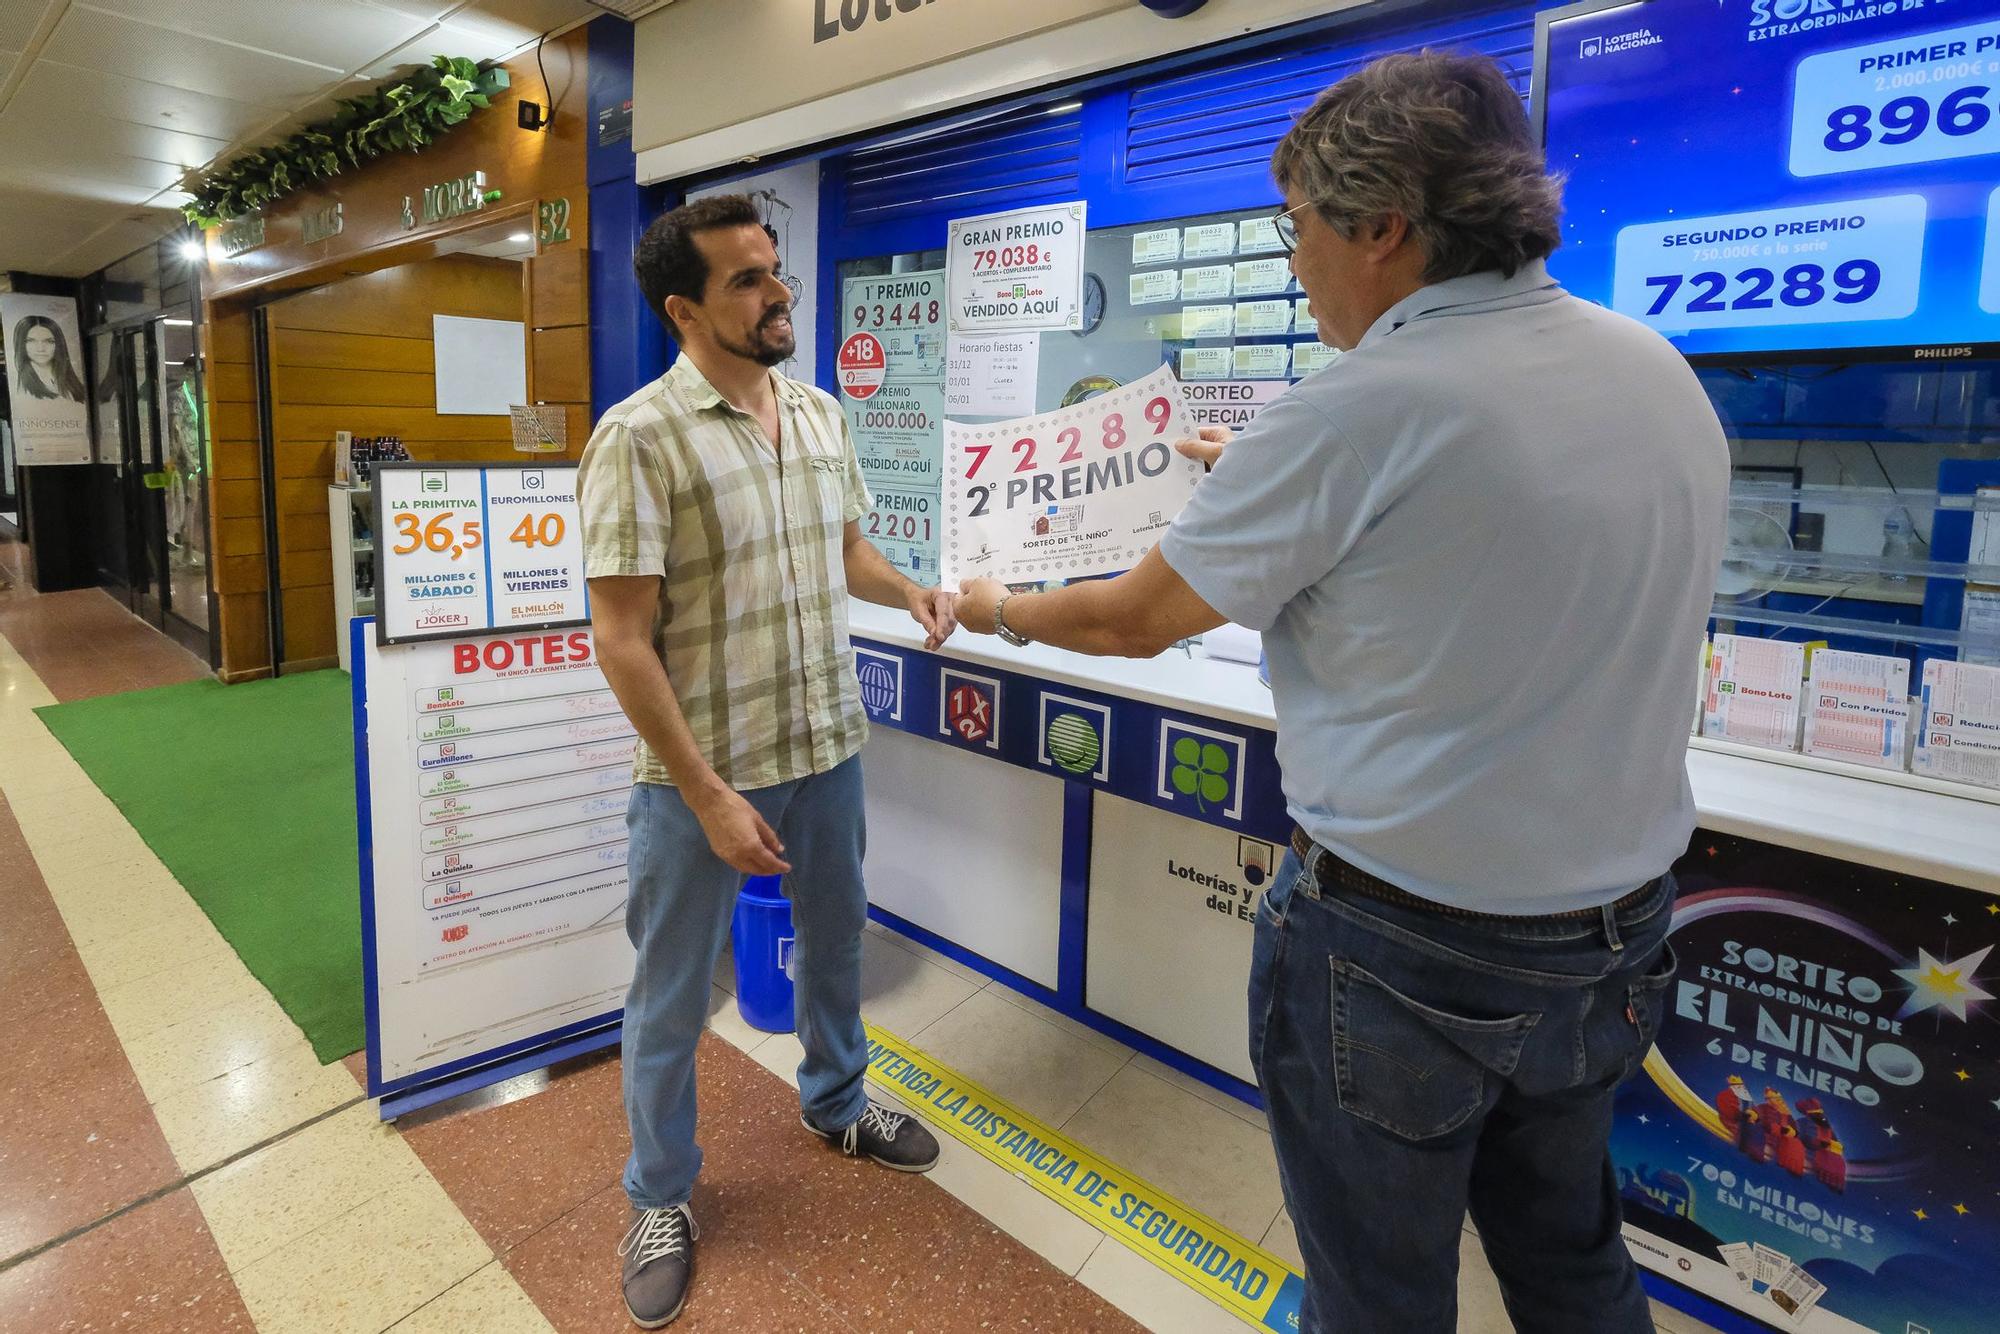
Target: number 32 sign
1081, 491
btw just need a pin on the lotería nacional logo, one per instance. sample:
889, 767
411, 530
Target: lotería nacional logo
1616, 43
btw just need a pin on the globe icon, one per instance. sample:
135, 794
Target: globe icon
878, 686
1073, 743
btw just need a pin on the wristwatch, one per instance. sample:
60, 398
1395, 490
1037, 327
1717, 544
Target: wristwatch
1000, 627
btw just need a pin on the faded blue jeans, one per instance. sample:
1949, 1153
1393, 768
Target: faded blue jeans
682, 896
1418, 1066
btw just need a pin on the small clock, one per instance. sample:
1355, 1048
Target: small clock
1093, 305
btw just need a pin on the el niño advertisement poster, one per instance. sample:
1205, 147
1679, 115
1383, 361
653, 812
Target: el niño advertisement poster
1815, 1138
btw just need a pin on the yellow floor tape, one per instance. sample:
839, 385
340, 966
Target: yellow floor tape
1188, 1244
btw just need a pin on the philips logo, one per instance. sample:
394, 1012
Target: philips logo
1941, 353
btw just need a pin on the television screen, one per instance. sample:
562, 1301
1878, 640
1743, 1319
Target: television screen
1810, 177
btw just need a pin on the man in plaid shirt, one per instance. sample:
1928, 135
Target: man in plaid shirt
721, 509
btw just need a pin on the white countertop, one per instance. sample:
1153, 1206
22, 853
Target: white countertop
1893, 821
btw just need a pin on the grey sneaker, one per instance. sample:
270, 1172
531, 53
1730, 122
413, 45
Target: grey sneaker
892, 1138
658, 1251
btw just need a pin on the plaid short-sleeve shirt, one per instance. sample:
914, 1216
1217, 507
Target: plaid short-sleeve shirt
752, 623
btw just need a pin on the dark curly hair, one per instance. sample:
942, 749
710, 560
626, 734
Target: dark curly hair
667, 262
1441, 140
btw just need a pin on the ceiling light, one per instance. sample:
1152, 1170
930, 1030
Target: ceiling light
185, 324
192, 249
520, 236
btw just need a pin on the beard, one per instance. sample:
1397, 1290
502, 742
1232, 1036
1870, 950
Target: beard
764, 346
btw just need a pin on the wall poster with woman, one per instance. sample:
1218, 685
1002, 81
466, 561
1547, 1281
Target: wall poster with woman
45, 379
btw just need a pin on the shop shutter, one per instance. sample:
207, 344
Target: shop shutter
991, 164
1228, 118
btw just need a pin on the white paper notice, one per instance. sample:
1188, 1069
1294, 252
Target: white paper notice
1264, 317
1016, 271
1979, 622
1958, 735
1080, 491
1256, 277
1263, 360
1148, 289
992, 377
1742, 1262
1310, 357
1159, 247
1753, 691
1256, 236
499, 772
1795, 1292
1205, 363
1213, 240
1208, 321
1771, 1264
1303, 321
1858, 708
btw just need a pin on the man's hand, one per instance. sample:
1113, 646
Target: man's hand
738, 835
976, 600
934, 610
1207, 449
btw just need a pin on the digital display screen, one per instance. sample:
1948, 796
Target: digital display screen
1781, 176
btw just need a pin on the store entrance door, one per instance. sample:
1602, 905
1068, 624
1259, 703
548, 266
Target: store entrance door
145, 476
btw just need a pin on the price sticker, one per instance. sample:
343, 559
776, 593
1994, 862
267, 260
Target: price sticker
1857, 259
1897, 103
1083, 490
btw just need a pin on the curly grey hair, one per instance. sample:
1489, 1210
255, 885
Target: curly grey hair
1441, 140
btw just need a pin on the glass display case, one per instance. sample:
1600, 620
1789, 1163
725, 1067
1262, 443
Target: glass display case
1210, 295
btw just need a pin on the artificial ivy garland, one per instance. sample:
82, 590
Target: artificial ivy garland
406, 115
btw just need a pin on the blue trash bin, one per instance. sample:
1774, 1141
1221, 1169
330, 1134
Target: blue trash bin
762, 940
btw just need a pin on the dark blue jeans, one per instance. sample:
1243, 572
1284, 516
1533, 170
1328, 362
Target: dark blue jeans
1417, 1067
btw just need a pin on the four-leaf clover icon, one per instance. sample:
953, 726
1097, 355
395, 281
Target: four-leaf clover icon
1201, 771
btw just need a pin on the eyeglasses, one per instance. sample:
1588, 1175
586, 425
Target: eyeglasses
1287, 228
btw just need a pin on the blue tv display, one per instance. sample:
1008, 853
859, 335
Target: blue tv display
1781, 179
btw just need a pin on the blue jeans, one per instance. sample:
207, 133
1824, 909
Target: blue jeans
1418, 1066
682, 896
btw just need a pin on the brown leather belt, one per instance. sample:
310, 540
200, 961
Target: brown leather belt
1333, 873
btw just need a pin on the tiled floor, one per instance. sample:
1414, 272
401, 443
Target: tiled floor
177, 1161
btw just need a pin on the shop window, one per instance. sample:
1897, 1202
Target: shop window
1864, 508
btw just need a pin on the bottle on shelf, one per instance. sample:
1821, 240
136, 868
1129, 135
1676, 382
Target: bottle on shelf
1898, 543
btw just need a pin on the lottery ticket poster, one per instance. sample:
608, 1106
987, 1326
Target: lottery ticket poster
890, 369
1084, 490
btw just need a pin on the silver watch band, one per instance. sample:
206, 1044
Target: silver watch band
1007, 634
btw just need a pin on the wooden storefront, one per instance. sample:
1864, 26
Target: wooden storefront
308, 337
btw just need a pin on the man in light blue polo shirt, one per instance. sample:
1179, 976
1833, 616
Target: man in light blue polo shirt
1481, 547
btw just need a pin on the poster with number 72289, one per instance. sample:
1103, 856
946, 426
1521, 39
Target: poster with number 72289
1083, 490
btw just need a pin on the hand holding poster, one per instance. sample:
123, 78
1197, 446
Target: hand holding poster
1080, 491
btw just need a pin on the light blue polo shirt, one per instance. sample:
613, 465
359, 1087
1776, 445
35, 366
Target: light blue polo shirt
1482, 548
